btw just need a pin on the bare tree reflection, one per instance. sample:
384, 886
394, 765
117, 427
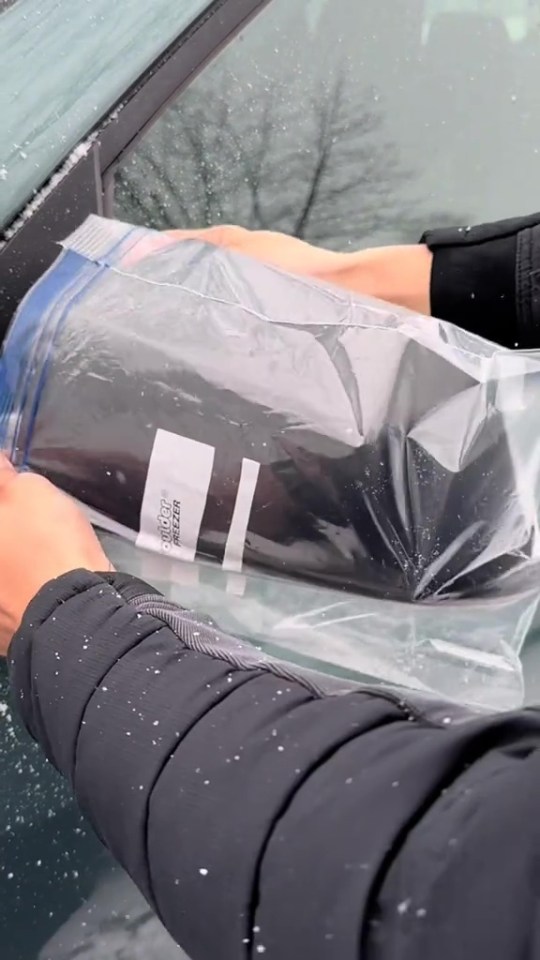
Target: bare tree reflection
307, 156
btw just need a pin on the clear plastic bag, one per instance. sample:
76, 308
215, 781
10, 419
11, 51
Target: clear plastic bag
466, 651
206, 406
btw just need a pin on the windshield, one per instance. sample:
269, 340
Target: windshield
64, 65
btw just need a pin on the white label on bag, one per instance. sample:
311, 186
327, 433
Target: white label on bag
175, 495
236, 540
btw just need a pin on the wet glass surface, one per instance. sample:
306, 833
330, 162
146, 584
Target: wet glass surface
349, 123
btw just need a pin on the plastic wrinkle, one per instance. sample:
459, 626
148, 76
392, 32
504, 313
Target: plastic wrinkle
205, 407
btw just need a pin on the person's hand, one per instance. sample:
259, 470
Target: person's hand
278, 249
399, 275
43, 535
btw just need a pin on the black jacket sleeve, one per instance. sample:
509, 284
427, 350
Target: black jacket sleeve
486, 279
265, 811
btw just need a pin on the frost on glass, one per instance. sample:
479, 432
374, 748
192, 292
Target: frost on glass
64, 65
349, 123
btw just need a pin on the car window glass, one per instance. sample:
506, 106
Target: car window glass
346, 123
64, 64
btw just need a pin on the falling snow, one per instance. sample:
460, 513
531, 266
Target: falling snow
403, 907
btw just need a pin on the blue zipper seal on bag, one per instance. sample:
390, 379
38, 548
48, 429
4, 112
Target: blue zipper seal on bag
28, 347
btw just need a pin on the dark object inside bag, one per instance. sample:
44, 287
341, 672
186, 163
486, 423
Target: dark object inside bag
218, 408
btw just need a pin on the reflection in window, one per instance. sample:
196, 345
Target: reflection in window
348, 123
518, 16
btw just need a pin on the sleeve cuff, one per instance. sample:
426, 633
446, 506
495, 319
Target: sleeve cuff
473, 283
485, 279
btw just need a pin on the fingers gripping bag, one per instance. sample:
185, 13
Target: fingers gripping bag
207, 406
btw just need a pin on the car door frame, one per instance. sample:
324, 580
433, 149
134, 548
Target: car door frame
83, 184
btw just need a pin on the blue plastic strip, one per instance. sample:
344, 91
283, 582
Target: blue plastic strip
29, 321
28, 347
84, 273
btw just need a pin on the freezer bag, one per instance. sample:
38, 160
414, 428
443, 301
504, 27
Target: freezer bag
209, 406
466, 651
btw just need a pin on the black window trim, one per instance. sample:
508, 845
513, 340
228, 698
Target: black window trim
31, 243
197, 46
